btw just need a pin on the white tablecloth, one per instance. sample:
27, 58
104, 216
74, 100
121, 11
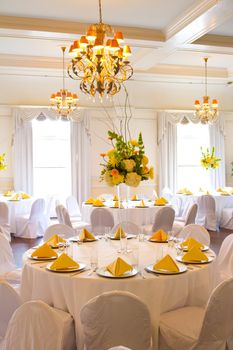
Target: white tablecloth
163, 293
140, 216
21, 207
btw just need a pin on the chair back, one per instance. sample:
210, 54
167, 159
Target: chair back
38, 208
115, 318
217, 325
39, 326
4, 213
164, 219
101, 218
225, 256
60, 229
197, 232
206, 215
73, 206
48, 207
59, 213
9, 302
128, 227
7, 262
191, 215
65, 217
167, 193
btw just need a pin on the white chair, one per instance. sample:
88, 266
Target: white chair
177, 206
101, 218
58, 210
60, 229
206, 214
9, 302
76, 225
128, 227
36, 326
73, 208
190, 219
197, 232
116, 318
4, 219
197, 328
35, 224
226, 220
225, 258
164, 219
48, 208
167, 193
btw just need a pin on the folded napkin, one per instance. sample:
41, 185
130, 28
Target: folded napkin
102, 199
119, 233
64, 262
195, 254
190, 243
119, 267
160, 201
90, 200
141, 204
219, 189
25, 195
188, 192
134, 197
98, 203
115, 197
44, 251
8, 193
225, 193
86, 235
116, 205
167, 264
159, 235
184, 191
16, 197
55, 240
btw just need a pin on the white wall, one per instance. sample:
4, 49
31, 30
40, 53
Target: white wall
229, 147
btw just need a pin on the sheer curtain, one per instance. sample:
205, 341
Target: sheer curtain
217, 176
81, 158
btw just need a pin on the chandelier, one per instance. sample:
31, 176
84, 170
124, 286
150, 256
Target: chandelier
64, 102
99, 62
206, 113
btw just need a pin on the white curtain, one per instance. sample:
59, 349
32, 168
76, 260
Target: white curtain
217, 176
81, 158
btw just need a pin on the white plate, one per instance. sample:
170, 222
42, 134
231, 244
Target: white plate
129, 236
141, 206
210, 258
182, 269
76, 239
41, 259
105, 273
72, 269
185, 249
156, 241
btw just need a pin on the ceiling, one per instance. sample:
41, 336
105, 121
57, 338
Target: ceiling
169, 40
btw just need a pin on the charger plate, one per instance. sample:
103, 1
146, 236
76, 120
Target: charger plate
210, 258
72, 269
129, 236
105, 273
41, 259
185, 248
182, 269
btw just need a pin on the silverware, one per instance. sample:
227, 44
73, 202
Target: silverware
78, 272
91, 272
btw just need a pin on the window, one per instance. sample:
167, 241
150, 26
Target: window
51, 158
190, 138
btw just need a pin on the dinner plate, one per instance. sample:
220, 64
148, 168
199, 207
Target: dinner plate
159, 205
142, 206
57, 246
41, 259
71, 269
210, 258
88, 203
105, 273
182, 269
129, 236
14, 200
185, 249
157, 241
76, 239
99, 206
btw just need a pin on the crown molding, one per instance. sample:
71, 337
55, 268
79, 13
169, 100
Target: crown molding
215, 40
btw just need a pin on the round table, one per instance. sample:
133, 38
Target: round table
161, 293
140, 216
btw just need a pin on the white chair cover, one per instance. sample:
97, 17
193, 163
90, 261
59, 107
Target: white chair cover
198, 232
59, 213
101, 218
177, 205
164, 219
128, 227
9, 302
60, 229
7, 262
4, 219
206, 215
34, 225
225, 258
226, 219
195, 328
75, 224
167, 193
39, 326
116, 318
189, 219
48, 209
73, 207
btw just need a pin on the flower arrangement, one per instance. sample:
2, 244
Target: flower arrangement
3, 164
209, 160
126, 162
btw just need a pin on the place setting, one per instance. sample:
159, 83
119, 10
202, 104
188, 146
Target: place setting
84, 236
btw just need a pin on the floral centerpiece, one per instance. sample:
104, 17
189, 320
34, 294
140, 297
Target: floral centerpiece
209, 160
126, 162
3, 164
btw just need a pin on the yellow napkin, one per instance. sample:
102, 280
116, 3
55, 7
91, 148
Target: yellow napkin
16, 197
159, 235
64, 262
55, 240
195, 254
115, 197
119, 233
141, 204
188, 192
119, 267
190, 243
90, 200
8, 193
184, 191
134, 197
25, 195
167, 264
86, 235
225, 193
160, 201
98, 203
219, 189
44, 251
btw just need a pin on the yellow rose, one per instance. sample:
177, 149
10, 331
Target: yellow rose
151, 173
129, 164
145, 160
134, 143
132, 179
116, 180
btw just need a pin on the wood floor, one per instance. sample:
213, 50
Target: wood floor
20, 245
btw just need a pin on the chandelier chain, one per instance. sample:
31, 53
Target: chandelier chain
206, 59
100, 12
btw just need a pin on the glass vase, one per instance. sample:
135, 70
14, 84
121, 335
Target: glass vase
123, 193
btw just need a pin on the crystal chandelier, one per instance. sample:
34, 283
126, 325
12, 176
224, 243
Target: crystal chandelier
99, 62
64, 102
206, 113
